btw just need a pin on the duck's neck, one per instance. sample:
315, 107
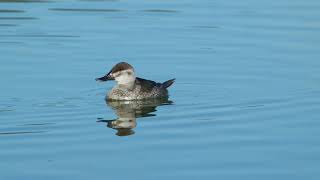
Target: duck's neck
129, 85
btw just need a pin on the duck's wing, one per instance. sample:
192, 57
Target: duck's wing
147, 85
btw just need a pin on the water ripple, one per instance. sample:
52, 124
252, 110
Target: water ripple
8, 25
41, 35
25, 1
100, 0
10, 42
21, 132
37, 124
11, 11
85, 10
205, 27
18, 18
160, 11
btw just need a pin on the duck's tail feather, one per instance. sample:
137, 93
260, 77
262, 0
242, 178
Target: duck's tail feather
168, 83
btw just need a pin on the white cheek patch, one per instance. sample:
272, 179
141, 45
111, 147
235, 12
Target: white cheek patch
116, 74
124, 77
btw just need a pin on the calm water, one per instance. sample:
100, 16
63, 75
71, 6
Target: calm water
245, 104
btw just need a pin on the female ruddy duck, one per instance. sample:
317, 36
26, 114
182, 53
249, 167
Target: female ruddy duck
130, 87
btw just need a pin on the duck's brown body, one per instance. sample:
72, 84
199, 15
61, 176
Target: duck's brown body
142, 89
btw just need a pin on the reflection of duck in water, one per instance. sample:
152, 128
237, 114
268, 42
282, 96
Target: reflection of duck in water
128, 111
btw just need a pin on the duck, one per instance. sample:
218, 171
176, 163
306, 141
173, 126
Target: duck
130, 87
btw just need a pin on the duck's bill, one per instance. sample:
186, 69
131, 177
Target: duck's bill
105, 78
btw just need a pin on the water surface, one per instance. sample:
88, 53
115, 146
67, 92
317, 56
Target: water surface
245, 104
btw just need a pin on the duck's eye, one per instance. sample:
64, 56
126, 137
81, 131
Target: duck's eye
129, 73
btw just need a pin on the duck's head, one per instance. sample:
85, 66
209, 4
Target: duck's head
122, 72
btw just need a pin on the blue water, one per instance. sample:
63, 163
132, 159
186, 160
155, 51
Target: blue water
245, 104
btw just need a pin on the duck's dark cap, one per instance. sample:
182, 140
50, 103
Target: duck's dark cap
121, 67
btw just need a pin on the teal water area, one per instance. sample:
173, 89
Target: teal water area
245, 104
